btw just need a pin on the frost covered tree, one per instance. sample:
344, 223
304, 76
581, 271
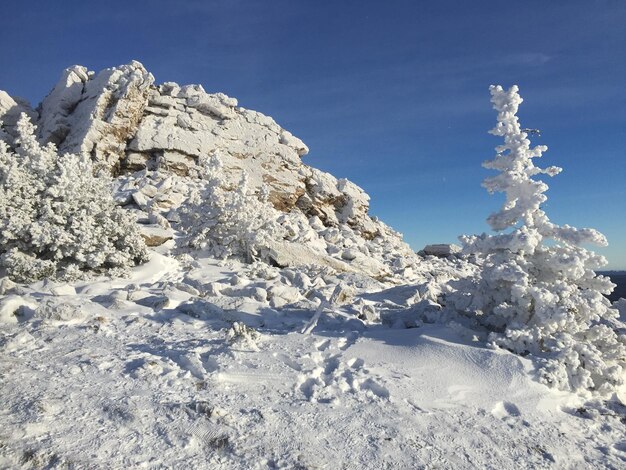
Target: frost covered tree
537, 292
229, 221
56, 218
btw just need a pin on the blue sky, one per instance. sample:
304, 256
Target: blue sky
392, 95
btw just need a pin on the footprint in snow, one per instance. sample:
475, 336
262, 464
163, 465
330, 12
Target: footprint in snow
332, 378
349, 340
288, 361
208, 434
374, 388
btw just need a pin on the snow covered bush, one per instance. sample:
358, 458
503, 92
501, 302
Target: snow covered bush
229, 221
56, 218
537, 292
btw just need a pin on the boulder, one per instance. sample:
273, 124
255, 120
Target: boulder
155, 235
441, 250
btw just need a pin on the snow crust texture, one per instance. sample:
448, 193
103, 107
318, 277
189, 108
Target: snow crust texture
202, 365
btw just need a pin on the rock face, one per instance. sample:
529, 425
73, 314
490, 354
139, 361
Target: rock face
96, 114
125, 123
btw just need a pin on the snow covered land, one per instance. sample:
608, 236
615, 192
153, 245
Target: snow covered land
179, 290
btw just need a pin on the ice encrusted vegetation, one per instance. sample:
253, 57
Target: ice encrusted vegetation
537, 291
58, 220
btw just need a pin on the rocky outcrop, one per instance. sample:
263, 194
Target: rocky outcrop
183, 125
155, 235
125, 123
96, 114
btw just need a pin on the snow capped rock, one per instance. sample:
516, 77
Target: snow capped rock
63, 289
290, 140
7, 286
442, 249
125, 123
13, 308
60, 103
96, 114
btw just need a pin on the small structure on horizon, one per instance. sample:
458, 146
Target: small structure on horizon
441, 250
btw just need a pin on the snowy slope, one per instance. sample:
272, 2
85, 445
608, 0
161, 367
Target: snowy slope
120, 376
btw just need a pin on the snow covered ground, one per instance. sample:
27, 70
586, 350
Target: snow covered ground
152, 372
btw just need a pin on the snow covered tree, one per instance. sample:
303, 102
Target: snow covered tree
229, 221
56, 218
537, 292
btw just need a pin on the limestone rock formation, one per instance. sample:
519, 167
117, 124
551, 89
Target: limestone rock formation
96, 114
159, 140
125, 123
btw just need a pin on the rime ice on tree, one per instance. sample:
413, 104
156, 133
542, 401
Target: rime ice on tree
56, 218
535, 297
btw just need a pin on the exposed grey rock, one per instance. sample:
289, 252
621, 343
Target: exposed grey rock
155, 302
7, 286
442, 250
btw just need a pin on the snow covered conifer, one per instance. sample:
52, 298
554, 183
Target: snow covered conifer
56, 218
536, 297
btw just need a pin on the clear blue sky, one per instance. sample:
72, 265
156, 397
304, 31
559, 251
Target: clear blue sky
392, 95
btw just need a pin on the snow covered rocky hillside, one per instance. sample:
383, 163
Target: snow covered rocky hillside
181, 291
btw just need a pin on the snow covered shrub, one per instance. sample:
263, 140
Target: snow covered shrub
56, 218
537, 291
229, 221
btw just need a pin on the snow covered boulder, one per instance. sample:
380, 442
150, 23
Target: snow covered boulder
63, 290
14, 308
7, 286
442, 250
